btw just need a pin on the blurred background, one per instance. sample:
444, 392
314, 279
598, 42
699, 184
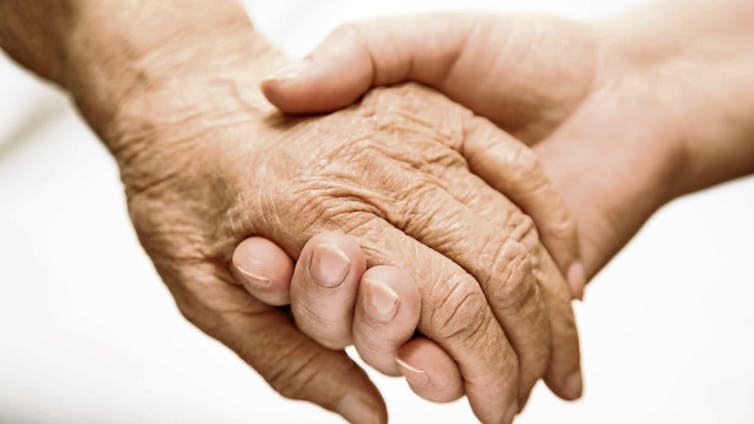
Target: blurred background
88, 333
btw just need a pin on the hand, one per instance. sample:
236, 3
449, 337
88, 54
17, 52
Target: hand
377, 309
206, 164
388, 174
625, 114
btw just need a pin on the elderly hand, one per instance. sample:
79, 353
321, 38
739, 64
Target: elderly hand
389, 173
377, 308
208, 166
206, 163
624, 113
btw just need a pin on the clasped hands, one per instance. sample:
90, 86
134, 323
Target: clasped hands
438, 237
500, 319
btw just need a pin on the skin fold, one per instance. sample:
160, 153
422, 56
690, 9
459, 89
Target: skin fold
408, 175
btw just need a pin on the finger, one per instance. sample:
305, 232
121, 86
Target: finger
355, 57
454, 311
518, 302
264, 269
324, 286
455, 314
489, 249
387, 312
563, 375
294, 365
483, 61
386, 315
429, 370
512, 168
564, 358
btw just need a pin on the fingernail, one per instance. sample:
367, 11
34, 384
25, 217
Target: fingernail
289, 71
356, 410
576, 280
415, 376
381, 301
574, 385
254, 278
329, 265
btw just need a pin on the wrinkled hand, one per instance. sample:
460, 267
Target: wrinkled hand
377, 308
618, 110
206, 165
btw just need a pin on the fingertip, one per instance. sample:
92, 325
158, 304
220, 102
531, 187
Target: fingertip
574, 386
430, 371
382, 285
332, 249
386, 316
324, 288
569, 388
356, 409
565, 383
333, 76
264, 269
324, 87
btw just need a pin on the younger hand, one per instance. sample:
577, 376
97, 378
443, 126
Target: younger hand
624, 114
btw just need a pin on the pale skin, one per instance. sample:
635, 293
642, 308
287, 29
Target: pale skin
637, 100
411, 178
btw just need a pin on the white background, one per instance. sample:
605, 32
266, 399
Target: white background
88, 334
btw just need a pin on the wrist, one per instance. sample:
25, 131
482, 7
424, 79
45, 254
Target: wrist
691, 59
115, 61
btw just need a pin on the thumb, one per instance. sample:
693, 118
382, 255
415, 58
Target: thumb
265, 338
357, 56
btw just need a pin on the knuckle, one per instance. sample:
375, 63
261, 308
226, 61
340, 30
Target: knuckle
521, 227
298, 372
324, 204
460, 313
529, 168
562, 226
514, 285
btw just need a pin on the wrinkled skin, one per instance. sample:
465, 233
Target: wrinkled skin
201, 174
206, 164
625, 113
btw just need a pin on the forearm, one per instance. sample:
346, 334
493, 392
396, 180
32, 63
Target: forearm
105, 52
699, 57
